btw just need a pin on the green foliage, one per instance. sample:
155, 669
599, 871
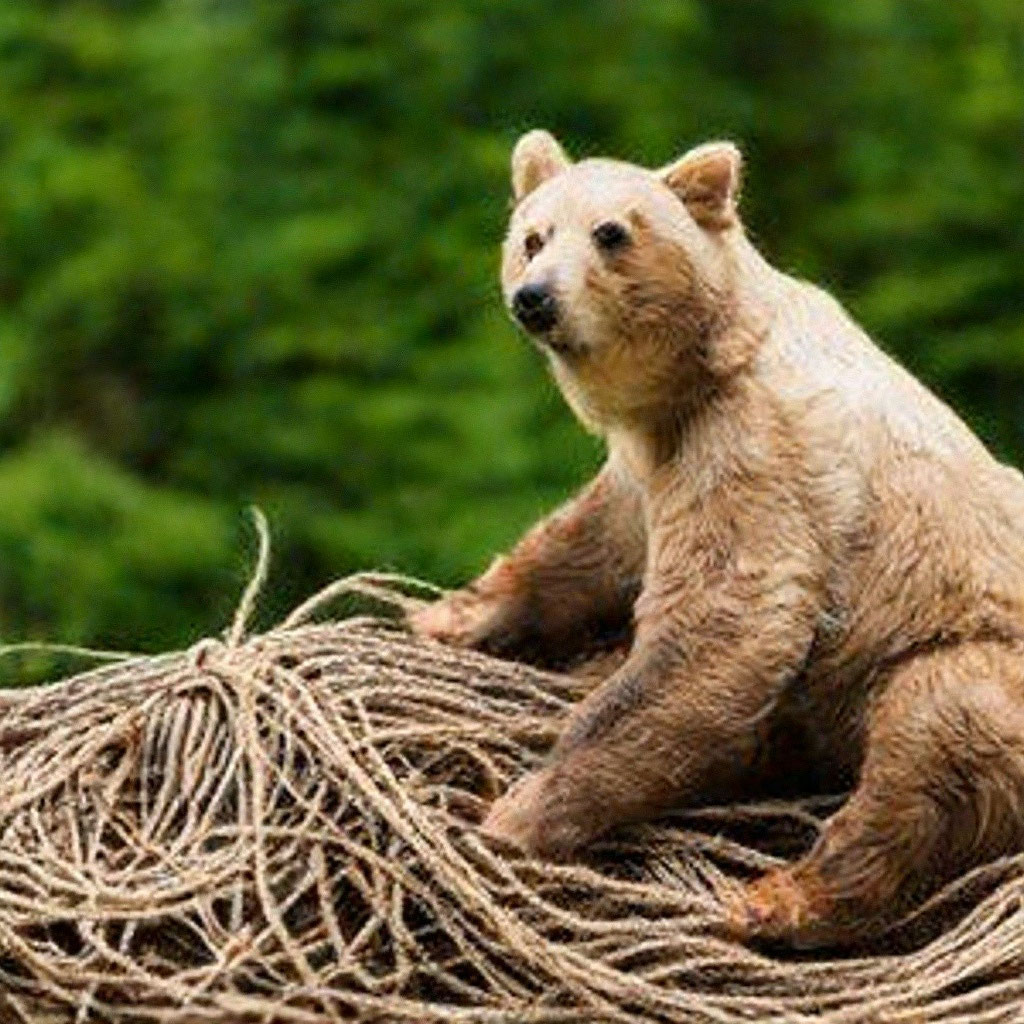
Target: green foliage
248, 253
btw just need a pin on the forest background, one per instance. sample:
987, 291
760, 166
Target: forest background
248, 254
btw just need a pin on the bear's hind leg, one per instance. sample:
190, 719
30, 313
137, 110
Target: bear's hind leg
941, 789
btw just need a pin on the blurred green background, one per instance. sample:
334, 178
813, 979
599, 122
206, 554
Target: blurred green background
248, 253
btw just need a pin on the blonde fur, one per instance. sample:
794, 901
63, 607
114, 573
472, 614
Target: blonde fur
822, 568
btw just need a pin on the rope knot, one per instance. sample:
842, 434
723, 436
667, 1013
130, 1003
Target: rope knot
207, 654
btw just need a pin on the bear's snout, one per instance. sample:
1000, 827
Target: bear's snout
535, 307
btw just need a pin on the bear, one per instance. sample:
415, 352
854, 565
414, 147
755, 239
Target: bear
820, 566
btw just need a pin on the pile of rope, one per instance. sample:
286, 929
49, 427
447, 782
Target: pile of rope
280, 828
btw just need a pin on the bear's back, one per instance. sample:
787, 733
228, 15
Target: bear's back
901, 474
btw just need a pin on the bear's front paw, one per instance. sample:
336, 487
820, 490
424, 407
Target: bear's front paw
781, 906
531, 818
461, 619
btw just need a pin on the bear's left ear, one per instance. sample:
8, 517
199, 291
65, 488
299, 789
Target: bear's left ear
537, 157
707, 180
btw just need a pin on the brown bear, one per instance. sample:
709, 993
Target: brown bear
822, 565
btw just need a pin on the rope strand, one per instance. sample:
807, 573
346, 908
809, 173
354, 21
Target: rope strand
281, 828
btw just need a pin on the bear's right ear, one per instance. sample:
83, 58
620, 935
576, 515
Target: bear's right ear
537, 157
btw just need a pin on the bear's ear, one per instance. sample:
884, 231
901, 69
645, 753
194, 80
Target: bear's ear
537, 157
707, 180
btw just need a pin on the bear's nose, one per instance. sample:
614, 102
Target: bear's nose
535, 308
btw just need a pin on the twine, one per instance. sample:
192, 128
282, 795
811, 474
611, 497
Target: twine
281, 828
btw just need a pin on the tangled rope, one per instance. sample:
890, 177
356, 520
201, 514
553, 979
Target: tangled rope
280, 828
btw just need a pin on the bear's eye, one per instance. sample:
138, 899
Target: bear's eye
610, 236
533, 244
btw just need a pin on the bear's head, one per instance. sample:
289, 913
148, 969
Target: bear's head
622, 275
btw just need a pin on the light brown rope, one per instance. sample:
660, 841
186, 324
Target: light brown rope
280, 828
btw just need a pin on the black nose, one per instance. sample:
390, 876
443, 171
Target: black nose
535, 307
